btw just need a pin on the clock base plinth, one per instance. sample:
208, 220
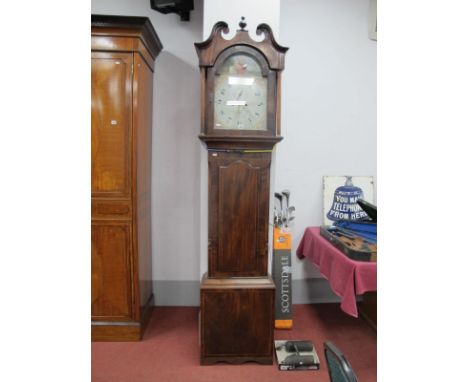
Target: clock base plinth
237, 320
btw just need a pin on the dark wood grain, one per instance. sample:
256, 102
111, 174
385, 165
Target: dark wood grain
237, 320
209, 50
238, 213
237, 294
268, 53
239, 143
237, 216
123, 51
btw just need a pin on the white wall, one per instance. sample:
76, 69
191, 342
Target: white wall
255, 13
328, 106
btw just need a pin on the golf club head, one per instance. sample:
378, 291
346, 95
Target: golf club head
277, 217
284, 221
286, 194
285, 203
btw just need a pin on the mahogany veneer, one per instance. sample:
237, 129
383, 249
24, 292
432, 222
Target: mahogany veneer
238, 213
237, 320
122, 59
237, 294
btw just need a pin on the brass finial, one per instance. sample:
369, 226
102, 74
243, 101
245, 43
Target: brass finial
242, 23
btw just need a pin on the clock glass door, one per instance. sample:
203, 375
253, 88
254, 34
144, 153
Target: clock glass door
240, 95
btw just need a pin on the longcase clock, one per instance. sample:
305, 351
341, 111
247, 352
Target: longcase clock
240, 82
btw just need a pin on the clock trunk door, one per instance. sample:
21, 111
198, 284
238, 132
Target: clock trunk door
239, 198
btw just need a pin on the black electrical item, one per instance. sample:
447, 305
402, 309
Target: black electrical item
181, 7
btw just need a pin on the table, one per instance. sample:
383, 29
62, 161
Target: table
347, 277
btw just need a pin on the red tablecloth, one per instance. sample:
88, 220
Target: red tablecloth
347, 277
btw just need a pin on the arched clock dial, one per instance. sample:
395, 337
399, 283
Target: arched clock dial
240, 96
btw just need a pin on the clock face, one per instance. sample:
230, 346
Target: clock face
240, 96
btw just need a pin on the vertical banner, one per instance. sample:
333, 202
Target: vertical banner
282, 278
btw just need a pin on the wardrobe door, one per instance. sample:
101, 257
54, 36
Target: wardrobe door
111, 290
111, 102
111, 229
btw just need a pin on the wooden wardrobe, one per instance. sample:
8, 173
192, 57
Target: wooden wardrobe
123, 50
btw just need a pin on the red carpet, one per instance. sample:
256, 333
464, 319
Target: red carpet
169, 350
